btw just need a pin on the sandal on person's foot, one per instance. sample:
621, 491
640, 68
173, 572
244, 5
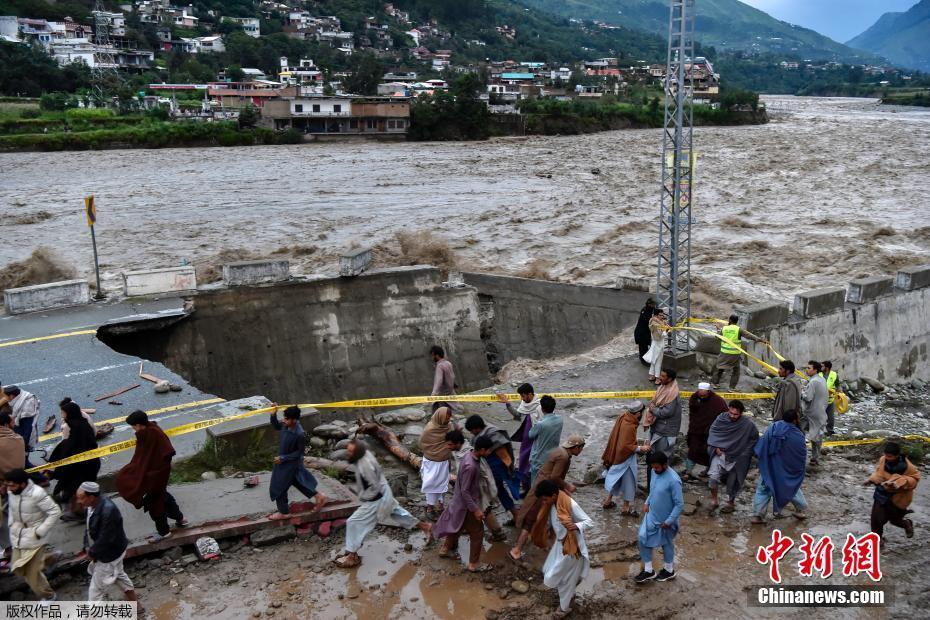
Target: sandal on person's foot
515, 560
727, 509
318, 504
757, 520
632, 512
347, 561
499, 536
182, 522
157, 538
278, 516
559, 614
609, 505
481, 568
449, 554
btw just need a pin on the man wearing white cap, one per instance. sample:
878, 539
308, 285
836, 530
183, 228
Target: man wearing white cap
105, 544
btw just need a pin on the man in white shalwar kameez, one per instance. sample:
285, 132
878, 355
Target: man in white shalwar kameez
376, 505
568, 561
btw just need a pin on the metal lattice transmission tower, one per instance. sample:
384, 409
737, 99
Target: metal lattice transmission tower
673, 288
105, 76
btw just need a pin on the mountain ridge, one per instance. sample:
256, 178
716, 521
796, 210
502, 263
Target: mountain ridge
902, 37
724, 24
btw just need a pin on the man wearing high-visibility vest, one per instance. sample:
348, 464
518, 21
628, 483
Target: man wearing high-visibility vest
731, 357
832, 379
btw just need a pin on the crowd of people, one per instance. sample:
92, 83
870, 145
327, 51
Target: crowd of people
528, 484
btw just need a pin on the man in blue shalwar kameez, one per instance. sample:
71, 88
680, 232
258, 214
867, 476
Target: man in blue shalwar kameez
289, 470
660, 523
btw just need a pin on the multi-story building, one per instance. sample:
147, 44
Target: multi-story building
346, 115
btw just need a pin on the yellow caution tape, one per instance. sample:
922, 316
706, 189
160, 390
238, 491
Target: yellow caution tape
151, 413
120, 446
871, 440
81, 332
363, 403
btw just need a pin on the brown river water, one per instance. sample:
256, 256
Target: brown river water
830, 190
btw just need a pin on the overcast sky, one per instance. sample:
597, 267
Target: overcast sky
838, 19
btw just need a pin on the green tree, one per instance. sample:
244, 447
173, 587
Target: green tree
248, 117
366, 72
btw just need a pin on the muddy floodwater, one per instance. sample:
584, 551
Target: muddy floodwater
830, 190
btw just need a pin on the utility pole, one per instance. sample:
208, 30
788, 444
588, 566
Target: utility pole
104, 75
673, 287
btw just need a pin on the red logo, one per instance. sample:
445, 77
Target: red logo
817, 556
861, 555
773, 553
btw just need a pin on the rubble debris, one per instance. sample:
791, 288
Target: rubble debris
207, 548
117, 392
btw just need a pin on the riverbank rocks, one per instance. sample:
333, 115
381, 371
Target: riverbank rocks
342, 444
398, 484
880, 433
401, 416
339, 455
317, 442
877, 386
331, 431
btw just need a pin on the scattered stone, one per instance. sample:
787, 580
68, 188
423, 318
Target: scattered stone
433, 582
876, 386
209, 475
162, 387
504, 594
408, 547
174, 583
232, 580
339, 455
276, 604
880, 432
188, 559
398, 484
488, 587
256, 614
173, 554
520, 586
263, 538
689, 510
325, 528
174, 387
352, 592
317, 442
331, 431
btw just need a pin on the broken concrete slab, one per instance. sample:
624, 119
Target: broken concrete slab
913, 278
246, 273
819, 301
865, 290
271, 536
46, 296
219, 509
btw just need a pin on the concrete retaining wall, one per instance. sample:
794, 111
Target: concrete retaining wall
256, 272
537, 319
158, 281
885, 336
46, 296
328, 339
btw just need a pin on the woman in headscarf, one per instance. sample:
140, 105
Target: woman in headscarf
658, 327
81, 438
434, 470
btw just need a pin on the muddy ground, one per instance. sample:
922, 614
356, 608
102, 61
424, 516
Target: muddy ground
830, 190
715, 563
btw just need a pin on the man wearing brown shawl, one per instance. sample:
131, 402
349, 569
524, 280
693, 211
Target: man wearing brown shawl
143, 482
434, 470
703, 408
568, 561
554, 470
619, 459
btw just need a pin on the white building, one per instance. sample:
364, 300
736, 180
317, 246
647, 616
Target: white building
213, 44
250, 25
